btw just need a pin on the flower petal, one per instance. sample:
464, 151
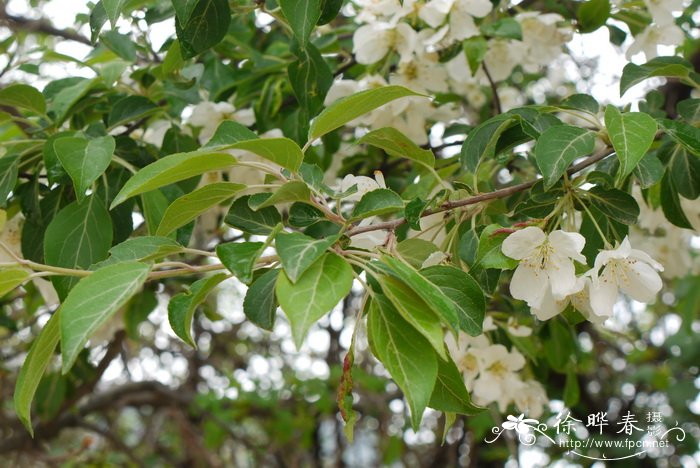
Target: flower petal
642, 282
562, 276
521, 244
568, 243
550, 307
529, 284
603, 295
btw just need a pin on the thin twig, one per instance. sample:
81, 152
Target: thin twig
502, 193
494, 90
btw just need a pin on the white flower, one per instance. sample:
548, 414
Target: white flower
464, 356
497, 376
546, 264
531, 398
502, 56
516, 329
624, 269
551, 307
653, 36
662, 10
364, 185
371, 10
421, 73
373, 41
543, 39
461, 15
208, 115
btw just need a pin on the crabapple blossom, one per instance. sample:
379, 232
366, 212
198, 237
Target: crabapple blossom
371, 42
546, 268
626, 270
364, 185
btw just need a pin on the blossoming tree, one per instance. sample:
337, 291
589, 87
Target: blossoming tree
441, 187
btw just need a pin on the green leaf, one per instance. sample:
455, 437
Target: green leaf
592, 15
242, 216
316, 292
405, 353
685, 134
559, 146
633, 74
10, 278
631, 135
413, 213
450, 394
23, 97
558, 344
260, 303
671, 203
572, 392
416, 251
171, 169
130, 109
429, 292
98, 18
616, 204
481, 141
415, 311
201, 24
689, 110
489, 253
302, 16
302, 215
504, 27
397, 144
377, 202
240, 258
141, 249
182, 306
298, 252
685, 172
229, 133
184, 9
311, 78
64, 100
649, 170
78, 236
93, 301
120, 44
584, 102
329, 10
475, 49
295, 190
190, 206
113, 9
282, 151
84, 160
9, 168
33, 369
349, 108
465, 294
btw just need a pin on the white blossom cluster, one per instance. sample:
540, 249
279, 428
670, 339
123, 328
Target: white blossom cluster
662, 31
493, 374
408, 40
546, 275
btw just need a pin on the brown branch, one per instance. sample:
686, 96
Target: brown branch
494, 90
496, 194
41, 26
